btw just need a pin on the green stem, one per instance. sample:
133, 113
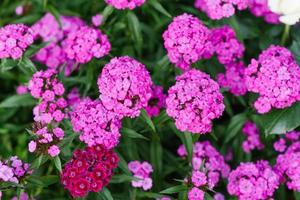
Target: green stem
285, 35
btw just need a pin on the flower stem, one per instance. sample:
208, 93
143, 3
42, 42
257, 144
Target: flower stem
285, 35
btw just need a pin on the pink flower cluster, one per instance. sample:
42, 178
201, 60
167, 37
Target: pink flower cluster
125, 4
23, 196
156, 102
71, 42
89, 170
13, 170
290, 137
98, 125
275, 76
226, 45
233, 78
45, 86
260, 8
14, 39
253, 181
46, 141
141, 171
194, 101
97, 20
213, 164
84, 44
218, 9
186, 41
253, 139
73, 97
287, 164
125, 86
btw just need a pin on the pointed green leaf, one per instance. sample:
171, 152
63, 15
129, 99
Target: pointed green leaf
18, 101
235, 125
127, 132
174, 189
57, 163
148, 120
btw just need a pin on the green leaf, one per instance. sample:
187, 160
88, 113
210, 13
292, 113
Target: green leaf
235, 125
148, 120
32, 49
208, 197
280, 121
123, 164
297, 195
151, 195
127, 132
54, 12
295, 48
188, 143
108, 10
8, 64
26, 63
57, 163
18, 101
37, 162
135, 30
105, 194
121, 178
159, 8
49, 179
174, 189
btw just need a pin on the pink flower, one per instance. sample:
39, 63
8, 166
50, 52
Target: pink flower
186, 40
96, 124
156, 102
53, 151
275, 76
195, 194
141, 171
260, 8
19, 10
22, 89
32, 146
252, 137
15, 38
125, 4
194, 101
125, 86
198, 178
97, 20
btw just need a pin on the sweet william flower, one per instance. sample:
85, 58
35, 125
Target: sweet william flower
288, 9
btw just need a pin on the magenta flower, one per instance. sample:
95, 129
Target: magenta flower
275, 76
125, 4
156, 102
141, 171
125, 86
186, 41
14, 40
194, 101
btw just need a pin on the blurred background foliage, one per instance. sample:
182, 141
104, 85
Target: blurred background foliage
138, 33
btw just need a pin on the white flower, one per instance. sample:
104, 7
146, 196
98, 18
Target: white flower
288, 9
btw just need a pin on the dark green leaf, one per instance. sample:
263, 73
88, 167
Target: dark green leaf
135, 30
280, 121
127, 132
121, 178
159, 8
18, 101
57, 163
105, 194
174, 189
148, 120
8, 64
235, 125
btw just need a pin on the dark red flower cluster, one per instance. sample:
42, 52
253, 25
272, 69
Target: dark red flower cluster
89, 170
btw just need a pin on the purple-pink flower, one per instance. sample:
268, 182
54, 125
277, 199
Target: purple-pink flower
275, 76
125, 4
141, 171
125, 86
218, 9
194, 101
97, 20
227, 47
186, 41
195, 194
253, 181
85, 43
14, 40
233, 78
260, 8
95, 124
252, 137
156, 102
206, 159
